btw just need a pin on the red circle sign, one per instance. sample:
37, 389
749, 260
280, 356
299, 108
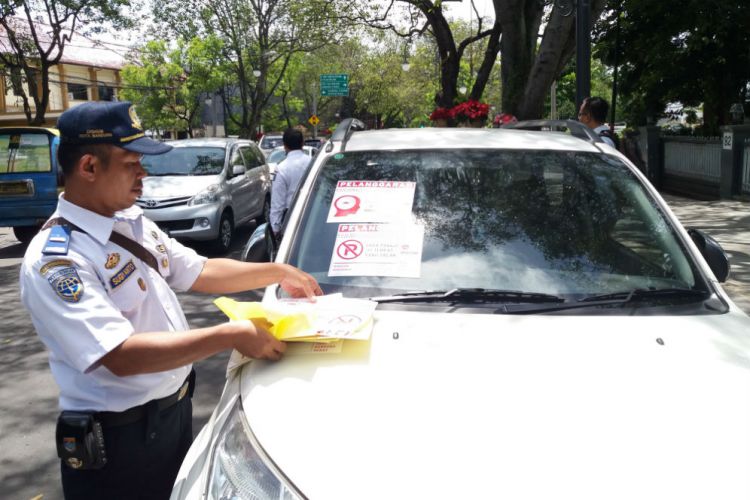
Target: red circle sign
349, 249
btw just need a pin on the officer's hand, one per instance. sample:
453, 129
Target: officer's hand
254, 341
298, 283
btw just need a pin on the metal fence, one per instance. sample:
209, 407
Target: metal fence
746, 168
694, 157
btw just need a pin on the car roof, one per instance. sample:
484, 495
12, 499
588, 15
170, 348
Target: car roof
465, 138
218, 142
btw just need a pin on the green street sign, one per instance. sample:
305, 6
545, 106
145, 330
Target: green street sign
334, 85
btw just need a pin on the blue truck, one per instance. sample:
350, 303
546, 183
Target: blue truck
29, 178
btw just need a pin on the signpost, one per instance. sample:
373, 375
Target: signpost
336, 84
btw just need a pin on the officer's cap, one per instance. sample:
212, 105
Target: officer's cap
107, 122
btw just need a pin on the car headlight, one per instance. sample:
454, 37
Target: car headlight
239, 468
208, 195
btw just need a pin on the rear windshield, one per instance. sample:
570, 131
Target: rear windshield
185, 161
270, 142
28, 152
534, 221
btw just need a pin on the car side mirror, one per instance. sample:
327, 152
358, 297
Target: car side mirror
715, 256
238, 170
261, 247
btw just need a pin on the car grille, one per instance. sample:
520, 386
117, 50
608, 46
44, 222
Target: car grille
175, 225
151, 203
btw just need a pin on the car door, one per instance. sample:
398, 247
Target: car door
239, 186
258, 178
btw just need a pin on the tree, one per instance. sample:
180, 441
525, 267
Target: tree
36, 33
169, 85
528, 66
259, 39
688, 50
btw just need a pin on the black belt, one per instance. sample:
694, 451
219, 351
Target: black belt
136, 413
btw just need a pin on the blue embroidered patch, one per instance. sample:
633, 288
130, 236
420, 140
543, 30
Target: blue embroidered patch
66, 284
123, 274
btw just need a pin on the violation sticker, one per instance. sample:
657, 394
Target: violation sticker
372, 201
377, 250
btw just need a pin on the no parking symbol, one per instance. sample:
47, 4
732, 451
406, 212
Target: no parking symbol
349, 249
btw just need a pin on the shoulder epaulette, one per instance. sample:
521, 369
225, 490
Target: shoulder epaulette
58, 240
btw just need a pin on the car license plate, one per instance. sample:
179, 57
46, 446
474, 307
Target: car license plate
15, 188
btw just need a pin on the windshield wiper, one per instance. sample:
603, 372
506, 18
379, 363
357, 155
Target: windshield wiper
481, 295
645, 293
620, 299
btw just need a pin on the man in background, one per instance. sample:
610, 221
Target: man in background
288, 176
593, 114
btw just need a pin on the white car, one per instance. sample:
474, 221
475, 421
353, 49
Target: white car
546, 329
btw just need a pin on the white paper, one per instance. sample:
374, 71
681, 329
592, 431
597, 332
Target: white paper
372, 201
377, 250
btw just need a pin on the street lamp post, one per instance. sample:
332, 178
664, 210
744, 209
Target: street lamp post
583, 51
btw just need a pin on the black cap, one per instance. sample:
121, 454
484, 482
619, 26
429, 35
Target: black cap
106, 122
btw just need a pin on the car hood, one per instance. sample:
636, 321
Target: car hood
169, 186
495, 406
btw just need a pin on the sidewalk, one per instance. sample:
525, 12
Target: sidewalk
728, 222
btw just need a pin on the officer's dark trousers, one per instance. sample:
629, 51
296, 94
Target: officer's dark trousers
143, 458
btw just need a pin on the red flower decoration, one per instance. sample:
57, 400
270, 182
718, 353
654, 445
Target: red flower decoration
440, 114
470, 110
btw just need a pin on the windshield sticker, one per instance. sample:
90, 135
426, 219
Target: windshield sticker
377, 250
372, 201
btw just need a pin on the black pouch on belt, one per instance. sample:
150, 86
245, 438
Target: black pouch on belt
80, 441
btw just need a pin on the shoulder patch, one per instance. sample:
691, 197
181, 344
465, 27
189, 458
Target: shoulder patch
123, 274
55, 263
67, 284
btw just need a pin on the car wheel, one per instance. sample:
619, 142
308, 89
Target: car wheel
24, 234
226, 231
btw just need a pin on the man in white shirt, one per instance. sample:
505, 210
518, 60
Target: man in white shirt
97, 281
289, 173
593, 114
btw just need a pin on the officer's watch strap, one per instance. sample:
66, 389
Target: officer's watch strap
118, 239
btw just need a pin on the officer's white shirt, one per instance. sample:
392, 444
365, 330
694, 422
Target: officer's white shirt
288, 175
87, 302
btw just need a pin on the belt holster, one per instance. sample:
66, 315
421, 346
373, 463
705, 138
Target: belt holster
80, 441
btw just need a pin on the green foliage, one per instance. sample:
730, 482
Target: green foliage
601, 86
168, 84
691, 51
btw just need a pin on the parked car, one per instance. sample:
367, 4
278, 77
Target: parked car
204, 188
315, 143
269, 142
29, 178
545, 328
279, 154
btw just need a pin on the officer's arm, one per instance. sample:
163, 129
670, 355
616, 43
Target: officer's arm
231, 276
279, 189
160, 351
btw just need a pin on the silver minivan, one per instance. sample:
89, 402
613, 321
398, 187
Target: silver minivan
204, 188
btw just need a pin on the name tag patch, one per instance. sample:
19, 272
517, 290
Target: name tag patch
67, 284
122, 275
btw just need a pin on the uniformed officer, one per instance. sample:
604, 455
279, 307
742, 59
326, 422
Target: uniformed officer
98, 283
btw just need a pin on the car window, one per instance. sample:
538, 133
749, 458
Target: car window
269, 142
186, 161
250, 161
535, 221
27, 152
276, 156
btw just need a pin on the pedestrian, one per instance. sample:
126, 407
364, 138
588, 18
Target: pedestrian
288, 175
593, 114
97, 281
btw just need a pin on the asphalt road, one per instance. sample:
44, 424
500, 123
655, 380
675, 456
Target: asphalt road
28, 464
29, 468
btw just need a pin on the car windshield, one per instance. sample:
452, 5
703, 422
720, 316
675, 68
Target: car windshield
26, 152
270, 142
186, 161
566, 223
276, 156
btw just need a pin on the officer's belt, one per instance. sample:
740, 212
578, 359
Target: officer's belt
136, 413
118, 239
